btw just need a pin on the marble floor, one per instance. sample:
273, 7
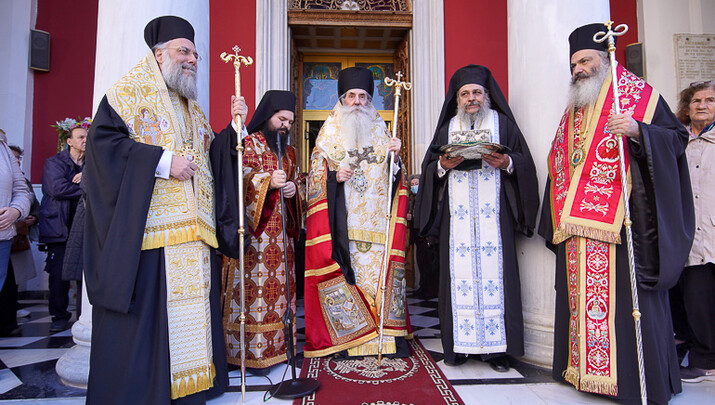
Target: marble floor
27, 370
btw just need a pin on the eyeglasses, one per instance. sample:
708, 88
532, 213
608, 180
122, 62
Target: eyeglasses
186, 52
701, 82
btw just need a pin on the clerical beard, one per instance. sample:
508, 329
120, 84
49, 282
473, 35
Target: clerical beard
356, 124
271, 134
177, 80
585, 88
474, 119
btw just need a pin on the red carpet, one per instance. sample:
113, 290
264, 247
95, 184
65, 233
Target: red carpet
415, 380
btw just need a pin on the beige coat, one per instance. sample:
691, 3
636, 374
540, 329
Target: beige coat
14, 191
701, 162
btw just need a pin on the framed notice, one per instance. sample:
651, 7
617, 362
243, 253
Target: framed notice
694, 58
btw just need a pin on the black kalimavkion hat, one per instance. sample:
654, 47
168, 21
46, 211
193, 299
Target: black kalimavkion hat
582, 38
355, 78
166, 28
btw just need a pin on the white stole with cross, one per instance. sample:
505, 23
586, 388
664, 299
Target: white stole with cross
475, 251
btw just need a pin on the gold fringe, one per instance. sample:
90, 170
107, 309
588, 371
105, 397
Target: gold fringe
599, 387
371, 348
592, 233
169, 237
175, 390
204, 381
207, 234
182, 388
571, 377
191, 386
366, 236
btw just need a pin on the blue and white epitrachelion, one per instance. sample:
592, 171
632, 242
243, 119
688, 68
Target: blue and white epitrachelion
475, 248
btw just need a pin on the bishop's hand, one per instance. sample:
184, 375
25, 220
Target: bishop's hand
289, 189
239, 107
449, 163
497, 160
624, 124
343, 174
182, 168
278, 179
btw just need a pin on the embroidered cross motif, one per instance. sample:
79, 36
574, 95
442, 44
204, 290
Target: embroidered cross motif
459, 176
466, 327
491, 327
464, 288
489, 249
491, 288
462, 249
461, 212
488, 210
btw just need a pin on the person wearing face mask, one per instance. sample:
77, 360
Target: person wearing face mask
425, 254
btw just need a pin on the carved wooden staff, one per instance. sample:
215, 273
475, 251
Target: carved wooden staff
398, 85
600, 37
237, 60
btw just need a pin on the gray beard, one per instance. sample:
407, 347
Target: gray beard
475, 118
586, 90
356, 125
183, 85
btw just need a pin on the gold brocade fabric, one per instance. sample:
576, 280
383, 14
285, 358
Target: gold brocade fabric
366, 192
180, 217
188, 283
366, 195
180, 211
265, 271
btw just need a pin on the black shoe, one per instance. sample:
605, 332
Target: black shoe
458, 360
696, 375
499, 364
59, 325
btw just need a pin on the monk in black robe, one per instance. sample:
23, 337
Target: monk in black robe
150, 139
583, 168
515, 198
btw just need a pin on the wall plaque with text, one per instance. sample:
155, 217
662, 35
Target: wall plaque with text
694, 58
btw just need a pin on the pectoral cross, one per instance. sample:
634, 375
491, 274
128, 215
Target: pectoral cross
367, 154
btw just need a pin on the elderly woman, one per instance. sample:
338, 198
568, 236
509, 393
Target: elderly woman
14, 205
696, 110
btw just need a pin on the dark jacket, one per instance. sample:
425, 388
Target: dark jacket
59, 196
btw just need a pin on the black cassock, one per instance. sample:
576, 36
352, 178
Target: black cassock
661, 209
129, 361
519, 202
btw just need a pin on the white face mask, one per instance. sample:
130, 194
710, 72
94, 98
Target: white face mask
414, 189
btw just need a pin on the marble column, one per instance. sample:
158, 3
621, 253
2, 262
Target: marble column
538, 83
73, 366
427, 74
120, 46
272, 46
